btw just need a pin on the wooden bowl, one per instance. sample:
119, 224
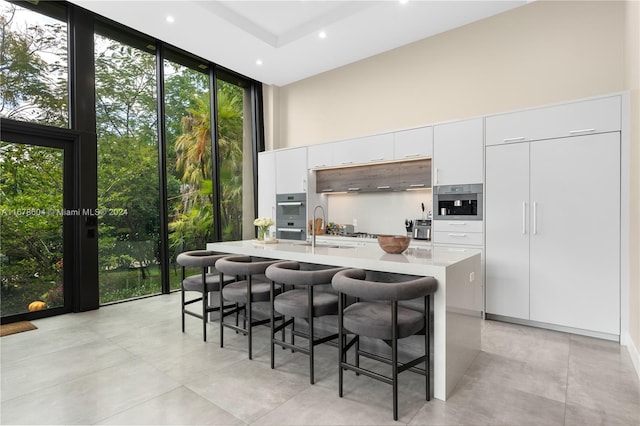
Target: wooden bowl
393, 244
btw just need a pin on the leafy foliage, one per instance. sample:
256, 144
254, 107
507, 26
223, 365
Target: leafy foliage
33, 87
33, 70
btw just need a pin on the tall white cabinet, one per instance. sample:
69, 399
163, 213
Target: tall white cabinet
552, 228
267, 184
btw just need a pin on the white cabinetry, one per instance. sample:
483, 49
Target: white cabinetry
320, 155
458, 152
291, 170
468, 233
363, 150
507, 208
267, 184
550, 257
413, 143
572, 119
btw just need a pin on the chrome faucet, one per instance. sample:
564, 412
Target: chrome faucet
313, 224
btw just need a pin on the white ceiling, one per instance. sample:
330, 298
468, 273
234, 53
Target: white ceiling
284, 34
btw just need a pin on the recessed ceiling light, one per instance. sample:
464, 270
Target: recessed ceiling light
170, 19
322, 34
404, 1
259, 62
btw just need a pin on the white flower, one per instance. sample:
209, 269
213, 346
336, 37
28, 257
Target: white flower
263, 221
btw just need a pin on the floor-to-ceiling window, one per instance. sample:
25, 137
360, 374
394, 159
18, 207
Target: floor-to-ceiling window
189, 159
236, 159
36, 157
128, 197
171, 159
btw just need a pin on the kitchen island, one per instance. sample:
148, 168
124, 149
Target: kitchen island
456, 304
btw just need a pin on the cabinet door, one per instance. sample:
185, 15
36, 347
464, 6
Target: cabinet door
413, 143
576, 118
320, 155
267, 185
458, 152
363, 150
507, 230
291, 171
575, 244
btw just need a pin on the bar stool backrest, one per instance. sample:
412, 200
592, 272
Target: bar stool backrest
353, 282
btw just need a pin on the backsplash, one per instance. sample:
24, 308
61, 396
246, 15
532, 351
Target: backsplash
379, 213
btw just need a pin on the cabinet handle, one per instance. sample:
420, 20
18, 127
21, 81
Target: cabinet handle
353, 189
573, 132
457, 223
327, 190
384, 187
524, 218
376, 159
457, 235
417, 185
290, 230
535, 218
437, 175
347, 162
411, 155
519, 138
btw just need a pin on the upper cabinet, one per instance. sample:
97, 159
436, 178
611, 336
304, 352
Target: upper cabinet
413, 143
458, 152
320, 155
291, 171
363, 150
573, 119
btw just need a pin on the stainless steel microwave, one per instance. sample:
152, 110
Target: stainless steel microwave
457, 202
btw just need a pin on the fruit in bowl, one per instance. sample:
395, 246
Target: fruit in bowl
393, 244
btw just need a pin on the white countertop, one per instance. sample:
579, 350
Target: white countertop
414, 261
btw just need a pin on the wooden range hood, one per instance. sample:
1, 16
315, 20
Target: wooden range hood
379, 177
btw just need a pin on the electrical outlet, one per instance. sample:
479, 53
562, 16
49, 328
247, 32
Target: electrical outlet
355, 222
472, 277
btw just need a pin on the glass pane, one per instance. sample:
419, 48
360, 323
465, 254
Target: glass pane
34, 71
31, 215
236, 167
128, 196
189, 188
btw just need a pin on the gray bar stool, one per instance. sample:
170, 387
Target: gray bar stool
302, 302
253, 287
204, 283
378, 316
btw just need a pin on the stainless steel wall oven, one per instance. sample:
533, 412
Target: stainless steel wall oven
291, 216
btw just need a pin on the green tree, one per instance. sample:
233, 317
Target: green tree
33, 70
30, 225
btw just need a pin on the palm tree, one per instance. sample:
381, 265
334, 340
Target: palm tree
193, 219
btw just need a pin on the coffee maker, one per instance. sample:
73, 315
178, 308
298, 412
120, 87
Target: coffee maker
422, 229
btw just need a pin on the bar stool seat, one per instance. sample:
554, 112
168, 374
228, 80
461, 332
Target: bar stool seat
237, 292
295, 303
373, 320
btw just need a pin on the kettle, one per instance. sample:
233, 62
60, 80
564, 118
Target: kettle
422, 229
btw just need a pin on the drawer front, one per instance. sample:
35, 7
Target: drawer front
457, 225
462, 238
579, 118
